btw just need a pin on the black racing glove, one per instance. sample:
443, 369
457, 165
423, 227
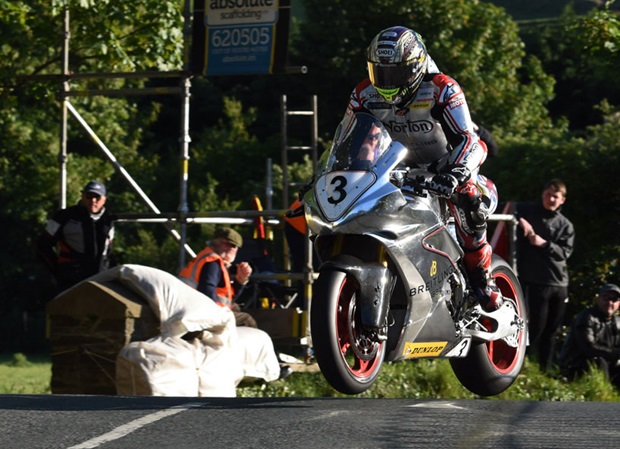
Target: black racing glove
460, 172
444, 184
453, 176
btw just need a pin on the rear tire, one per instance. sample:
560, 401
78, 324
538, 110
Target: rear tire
348, 358
491, 367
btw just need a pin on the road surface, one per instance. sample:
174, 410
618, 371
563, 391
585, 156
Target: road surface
107, 422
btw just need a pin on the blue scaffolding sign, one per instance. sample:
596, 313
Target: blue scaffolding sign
240, 36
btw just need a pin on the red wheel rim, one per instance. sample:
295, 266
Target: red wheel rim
501, 355
360, 354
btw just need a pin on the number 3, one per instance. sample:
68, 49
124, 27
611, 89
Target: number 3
339, 182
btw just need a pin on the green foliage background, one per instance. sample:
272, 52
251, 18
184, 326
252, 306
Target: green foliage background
546, 93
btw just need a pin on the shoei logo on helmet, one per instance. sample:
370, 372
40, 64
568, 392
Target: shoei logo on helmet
384, 52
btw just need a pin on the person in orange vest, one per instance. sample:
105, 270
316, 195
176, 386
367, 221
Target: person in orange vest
209, 273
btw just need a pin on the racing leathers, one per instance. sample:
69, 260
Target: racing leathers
437, 129
76, 244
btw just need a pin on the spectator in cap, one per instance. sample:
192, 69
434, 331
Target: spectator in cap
594, 338
77, 241
209, 272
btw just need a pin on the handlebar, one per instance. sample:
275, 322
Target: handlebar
419, 185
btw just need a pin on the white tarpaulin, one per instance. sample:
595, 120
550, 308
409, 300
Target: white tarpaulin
212, 364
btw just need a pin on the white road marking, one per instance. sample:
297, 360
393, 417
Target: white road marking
132, 426
437, 405
328, 415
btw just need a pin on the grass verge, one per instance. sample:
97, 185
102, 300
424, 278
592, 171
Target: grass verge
20, 374
434, 379
421, 379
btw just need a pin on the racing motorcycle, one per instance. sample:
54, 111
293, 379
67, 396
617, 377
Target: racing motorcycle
392, 284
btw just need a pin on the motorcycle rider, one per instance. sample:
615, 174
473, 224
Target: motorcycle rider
426, 111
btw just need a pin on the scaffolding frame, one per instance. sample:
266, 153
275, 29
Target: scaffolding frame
66, 108
182, 217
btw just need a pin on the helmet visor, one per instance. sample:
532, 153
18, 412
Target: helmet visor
390, 76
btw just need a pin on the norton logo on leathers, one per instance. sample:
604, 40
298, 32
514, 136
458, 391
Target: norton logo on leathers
418, 126
430, 349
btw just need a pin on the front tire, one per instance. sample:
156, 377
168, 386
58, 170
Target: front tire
349, 358
491, 367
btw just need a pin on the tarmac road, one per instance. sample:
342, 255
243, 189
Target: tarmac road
58, 421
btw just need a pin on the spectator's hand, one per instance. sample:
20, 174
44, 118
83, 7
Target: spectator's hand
527, 227
244, 271
536, 240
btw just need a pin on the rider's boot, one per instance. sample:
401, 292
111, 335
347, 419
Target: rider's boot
478, 265
487, 292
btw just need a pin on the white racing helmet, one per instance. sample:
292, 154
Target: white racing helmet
397, 62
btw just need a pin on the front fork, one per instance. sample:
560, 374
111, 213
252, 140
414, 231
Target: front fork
375, 285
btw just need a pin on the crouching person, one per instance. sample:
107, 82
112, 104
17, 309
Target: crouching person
594, 338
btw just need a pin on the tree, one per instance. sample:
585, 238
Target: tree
235, 120
105, 36
475, 42
580, 52
600, 32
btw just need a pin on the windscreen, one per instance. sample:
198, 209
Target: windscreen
359, 142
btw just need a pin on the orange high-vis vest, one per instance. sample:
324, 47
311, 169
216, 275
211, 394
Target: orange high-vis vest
191, 275
299, 222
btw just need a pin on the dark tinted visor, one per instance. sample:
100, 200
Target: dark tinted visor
390, 77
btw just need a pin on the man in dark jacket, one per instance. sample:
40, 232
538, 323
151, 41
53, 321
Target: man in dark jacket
77, 241
594, 338
545, 241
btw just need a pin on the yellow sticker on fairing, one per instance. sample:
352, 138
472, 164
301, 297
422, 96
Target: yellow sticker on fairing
429, 349
433, 270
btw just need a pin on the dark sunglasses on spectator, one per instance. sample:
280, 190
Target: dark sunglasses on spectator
92, 196
374, 136
611, 298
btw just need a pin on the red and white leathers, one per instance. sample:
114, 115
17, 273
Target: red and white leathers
437, 129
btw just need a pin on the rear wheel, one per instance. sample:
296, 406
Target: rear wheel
491, 367
348, 356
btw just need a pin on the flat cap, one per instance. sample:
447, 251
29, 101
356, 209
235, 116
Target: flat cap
229, 234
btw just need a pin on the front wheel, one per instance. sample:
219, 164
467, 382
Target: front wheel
349, 357
491, 367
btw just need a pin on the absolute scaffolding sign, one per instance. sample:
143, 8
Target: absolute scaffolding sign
237, 37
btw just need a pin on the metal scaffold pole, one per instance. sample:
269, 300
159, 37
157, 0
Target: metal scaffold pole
185, 138
184, 143
63, 94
